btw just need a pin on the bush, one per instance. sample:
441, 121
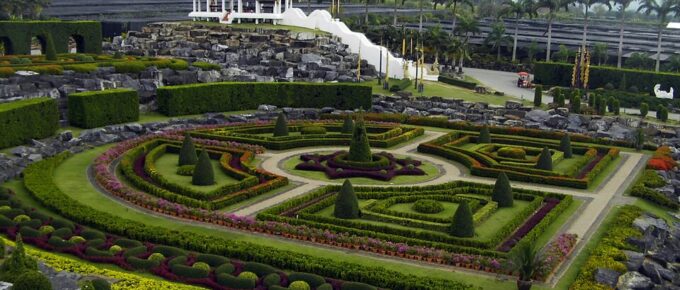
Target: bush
21, 121
201, 266
101, 108
46, 230
273, 279
20, 60
281, 127
462, 225
115, 249
326, 286
21, 218
512, 152
187, 155
233, 96
142, 264
20, 33
212, 260
545, 160
299, 285
313, 130
226, 268
76, 239
81, 68
203, 173
6, 72
346, 202
156, 257
32, 280
538, 96
62, 232
662, 114
565, 146
101, 284
17, 263
575, 105
348, 125
356, 286
644, 109
189, 272
427, 206
359, 147
236, 283
399, 85
248, 275
127, 243
259, 269
502, 191
457, 82
312, 280
484, 135
83, 58
89, 234
206, 65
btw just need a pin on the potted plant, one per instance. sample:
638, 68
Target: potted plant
526, 261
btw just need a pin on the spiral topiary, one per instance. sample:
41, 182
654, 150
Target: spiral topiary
359, 147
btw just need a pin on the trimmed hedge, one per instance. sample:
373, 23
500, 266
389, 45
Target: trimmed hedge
87, 34
458, 83
24, 120
101, 108
236, 96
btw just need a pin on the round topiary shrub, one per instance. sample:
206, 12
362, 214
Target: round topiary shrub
5, 208
313, 130
427, 206
46, 230
21, 218
115, 249
272, 279
326, 286
512, 152
156, 257
32, 280
101, 284
248, 275
201, 265
299, 285
76, 239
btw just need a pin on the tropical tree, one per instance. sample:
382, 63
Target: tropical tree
19, 9
532, 49
518, 9
563, 53
673, 63
552, 6
663, 11
436, 39
638, 60
587, 4
600, 52
497, 38
457, 49
468, 26
454, 7
526, 260
623, 4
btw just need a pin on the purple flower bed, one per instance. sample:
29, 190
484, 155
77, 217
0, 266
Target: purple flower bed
335, 170
550, 203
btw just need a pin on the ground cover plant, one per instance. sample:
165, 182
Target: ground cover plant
525, 159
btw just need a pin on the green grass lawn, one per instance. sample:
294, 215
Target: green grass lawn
437, 89
566, 163
431, 172
449, 209
166, 165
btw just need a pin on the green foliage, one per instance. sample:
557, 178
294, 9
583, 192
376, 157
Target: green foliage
512, 152
115, 249
81, 68
484, 135
502, 191
601, 106
84, 58
50, 50
46, 230
234, 96
545, 160
356, 286
565, 146
187, 155
248, 275
156, 257
17, 263
662, 113
20, 60
312, 279
299, 285
538, 96
359, 147
281, 127
76, 239
272, 279
24, 120
462, 225
101, 108
575, 105
644, 110
639, 139
348, 125
206, 65
2, 248
457, 82
203, 173
526, 261
201, 265
313, 130
32, 280
346, 202
101, 284
616, 107
399, 85
20, 33
427, 206
129, 67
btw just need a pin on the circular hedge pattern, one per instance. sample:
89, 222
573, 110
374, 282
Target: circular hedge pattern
427, 206
512, 152
313, 130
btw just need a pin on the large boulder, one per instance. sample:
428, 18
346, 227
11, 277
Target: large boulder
538, 116
607, 276
557, 122
634, 281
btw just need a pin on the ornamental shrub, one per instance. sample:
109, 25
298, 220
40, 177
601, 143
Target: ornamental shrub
575, 105
156, 257
356, 286
115, 249
248, 275
46, 229
101, 284
299, 285
281, 127
131, 67
502, 191
28, 119
236, 283
644, 109
206, 65
512, 152
6, 72
312, 280
616, 107
427, 206
346, 202
2, 248
50, 50
348, 125
21, 218
273, 279
662, 114
226, 268
484, 135
186, 170
212, 260
565, 146
538, 96
100, 108
602, 106
359, 148
462, 225
326, 286
203, 173
259, 269
189, 272
202, 266
313, 130
17, 263
187, 155
32, 280
545, 160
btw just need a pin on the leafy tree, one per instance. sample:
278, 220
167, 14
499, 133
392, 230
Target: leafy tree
664, 10
639, 139
484, 135
552, 6
203, 173
462, 225
497, 38
638, 60
601, 106
673, 63
469, 25
538, 96
662, 113
346, 203
32, 280
348, 125
187, 155
545, 160
532, 49
17, 263
526, 260
502, 191
600, 53
281, 127
644, 109
587, 4
563, 53
454, 10
610, 104
616, 107
565, 146
518, 9
359, 148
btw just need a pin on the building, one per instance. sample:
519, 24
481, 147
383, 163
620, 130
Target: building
230, 11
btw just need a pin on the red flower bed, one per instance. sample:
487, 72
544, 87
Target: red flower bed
662, 160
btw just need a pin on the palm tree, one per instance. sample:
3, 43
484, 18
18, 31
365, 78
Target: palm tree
435, 39
600, 52
395, 11
674, 63
468, 25
623, 4
588, 4
639, 60
518, 8
454, 7
527, 261
497, 38
552, 6
663, 11
532, 50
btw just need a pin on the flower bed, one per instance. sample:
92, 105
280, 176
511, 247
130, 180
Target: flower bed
384, 167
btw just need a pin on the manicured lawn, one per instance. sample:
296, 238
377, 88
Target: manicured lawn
449, 209
604, 174
256, 199
431, 172
166, 165
655, 209
565, 164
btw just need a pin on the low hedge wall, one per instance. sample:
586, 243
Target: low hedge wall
101, 108
456, 82
24, 120
235, 96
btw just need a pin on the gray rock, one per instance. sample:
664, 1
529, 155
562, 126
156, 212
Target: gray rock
34, 157
538, 116
557, 122
634, 281
652, 269
607, 276
645, 221
65, 136
633, 260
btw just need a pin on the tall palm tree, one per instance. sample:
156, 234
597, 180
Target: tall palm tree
588, 4
674, 63
600, 52
497, 38
623, 4
454, 7
394, 22
552, 6
663, 11
518, 9
468, 26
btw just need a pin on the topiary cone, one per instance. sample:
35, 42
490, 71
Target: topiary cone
281, 128
484, 135
203, 173
359, 148
462, 225
565, 146
346, 203
545, 160
348, 125
50, 50
502, 192
187, 155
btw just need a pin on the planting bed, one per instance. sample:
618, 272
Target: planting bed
383, 167
518, 156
